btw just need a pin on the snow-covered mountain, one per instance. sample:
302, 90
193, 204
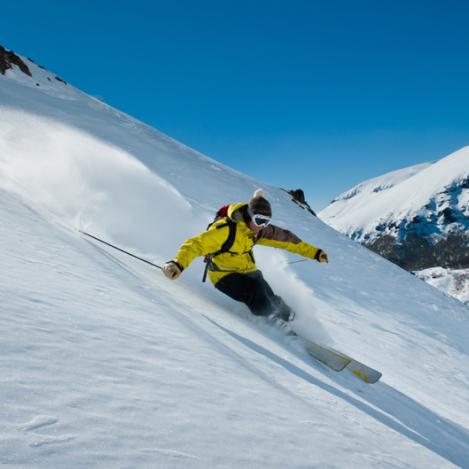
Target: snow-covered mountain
417, 217
104, 362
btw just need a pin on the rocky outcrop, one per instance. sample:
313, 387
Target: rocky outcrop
8, 59
418, 253
298, 197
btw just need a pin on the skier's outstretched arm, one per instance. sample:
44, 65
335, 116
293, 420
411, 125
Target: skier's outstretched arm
277, 237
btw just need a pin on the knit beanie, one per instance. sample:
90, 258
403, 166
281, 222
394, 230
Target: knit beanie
258, 204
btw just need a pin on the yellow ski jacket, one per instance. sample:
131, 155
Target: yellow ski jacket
239, 258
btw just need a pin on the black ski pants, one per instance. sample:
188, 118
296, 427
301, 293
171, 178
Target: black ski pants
256, 293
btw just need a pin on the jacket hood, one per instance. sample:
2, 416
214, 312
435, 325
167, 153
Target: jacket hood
236, 211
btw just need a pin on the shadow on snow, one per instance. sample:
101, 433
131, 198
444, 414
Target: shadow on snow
387, 405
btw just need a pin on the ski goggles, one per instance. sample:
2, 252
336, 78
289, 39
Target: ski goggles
260, 220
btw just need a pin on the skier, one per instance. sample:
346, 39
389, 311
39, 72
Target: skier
227, 245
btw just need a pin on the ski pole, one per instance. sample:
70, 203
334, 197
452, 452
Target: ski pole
120, 249
295, 262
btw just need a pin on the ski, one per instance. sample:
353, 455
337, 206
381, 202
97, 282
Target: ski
331, 358
364, 372
334, 360
338, 361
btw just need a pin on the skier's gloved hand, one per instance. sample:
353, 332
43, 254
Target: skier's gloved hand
321, 256
172, 270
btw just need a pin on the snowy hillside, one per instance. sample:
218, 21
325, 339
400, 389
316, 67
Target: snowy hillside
104, 362
417, 217
454, 282
369, 190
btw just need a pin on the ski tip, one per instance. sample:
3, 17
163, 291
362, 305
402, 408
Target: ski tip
370, 378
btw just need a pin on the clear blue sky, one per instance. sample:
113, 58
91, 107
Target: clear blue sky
313, 94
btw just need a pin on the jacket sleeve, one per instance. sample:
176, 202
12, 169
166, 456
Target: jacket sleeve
277, 237
205, 243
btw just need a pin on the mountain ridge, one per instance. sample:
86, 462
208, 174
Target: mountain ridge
419, 221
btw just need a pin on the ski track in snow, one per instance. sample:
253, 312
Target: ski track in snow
38, 422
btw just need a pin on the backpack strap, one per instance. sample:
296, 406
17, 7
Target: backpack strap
226, 246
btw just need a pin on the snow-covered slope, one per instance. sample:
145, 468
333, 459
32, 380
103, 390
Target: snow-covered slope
105, 362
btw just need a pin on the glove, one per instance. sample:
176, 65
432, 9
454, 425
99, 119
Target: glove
172, 270
321, 256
